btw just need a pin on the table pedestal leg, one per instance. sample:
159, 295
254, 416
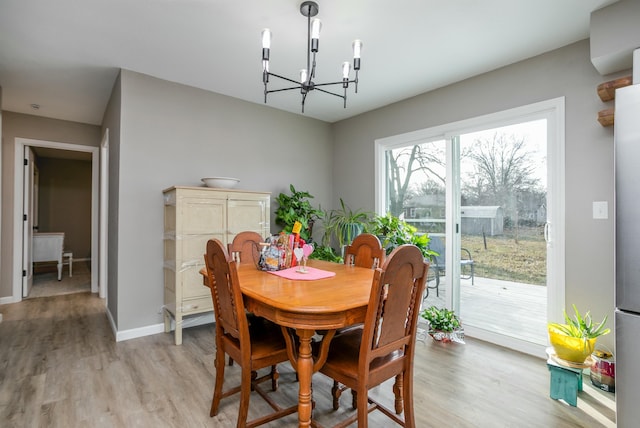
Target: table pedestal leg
305, 371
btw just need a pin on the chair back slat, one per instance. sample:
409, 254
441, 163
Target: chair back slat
245, 247
365, 251
225, 290
396, 291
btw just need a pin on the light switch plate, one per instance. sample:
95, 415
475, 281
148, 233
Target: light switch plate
600, 210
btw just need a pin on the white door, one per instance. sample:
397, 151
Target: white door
27, 230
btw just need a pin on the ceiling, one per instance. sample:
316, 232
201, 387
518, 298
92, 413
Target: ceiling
64, 55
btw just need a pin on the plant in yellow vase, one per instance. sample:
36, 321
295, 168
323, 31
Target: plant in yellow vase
576, 340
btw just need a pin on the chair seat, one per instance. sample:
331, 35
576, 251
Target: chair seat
266, 337
344, 355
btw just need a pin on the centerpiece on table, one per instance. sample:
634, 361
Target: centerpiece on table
444, 324
575, 341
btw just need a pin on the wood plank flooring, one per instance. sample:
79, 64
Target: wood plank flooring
60, 367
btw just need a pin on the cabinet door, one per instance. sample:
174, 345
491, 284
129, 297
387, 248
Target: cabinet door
203, 216
248, 214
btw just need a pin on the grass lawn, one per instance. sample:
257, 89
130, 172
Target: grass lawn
521, 260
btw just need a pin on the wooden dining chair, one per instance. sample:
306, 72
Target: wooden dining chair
245, 247
365, 251
384, 348
252, 342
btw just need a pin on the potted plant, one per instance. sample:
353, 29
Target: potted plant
394, 231
576, 340
296, 207
344, 224
325, 252
444, 324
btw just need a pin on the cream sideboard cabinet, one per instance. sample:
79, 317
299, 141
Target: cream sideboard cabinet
192, 216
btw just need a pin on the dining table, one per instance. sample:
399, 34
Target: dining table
305, 305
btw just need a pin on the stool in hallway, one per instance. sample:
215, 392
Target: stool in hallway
67, 259
565, 382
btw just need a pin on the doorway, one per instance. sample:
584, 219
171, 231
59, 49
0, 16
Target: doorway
21, 243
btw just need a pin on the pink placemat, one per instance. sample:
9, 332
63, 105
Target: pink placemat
312, 273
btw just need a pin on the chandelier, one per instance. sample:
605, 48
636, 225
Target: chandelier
305, 84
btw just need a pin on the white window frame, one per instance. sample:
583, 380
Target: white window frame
553, 111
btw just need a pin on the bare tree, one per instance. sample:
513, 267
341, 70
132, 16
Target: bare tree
503, 172
403, 163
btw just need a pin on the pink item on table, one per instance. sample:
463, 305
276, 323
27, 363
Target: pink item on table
310, 275
307, 250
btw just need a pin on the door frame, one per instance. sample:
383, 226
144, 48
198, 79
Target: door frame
29, 205
19, 145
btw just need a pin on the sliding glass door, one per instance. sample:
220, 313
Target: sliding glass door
488, 192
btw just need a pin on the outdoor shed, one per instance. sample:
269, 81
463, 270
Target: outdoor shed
477, 220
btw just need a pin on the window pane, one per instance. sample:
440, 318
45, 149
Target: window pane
415, 185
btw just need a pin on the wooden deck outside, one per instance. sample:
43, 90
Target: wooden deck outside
509, 308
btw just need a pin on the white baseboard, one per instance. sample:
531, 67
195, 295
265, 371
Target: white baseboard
134, 333
7, 300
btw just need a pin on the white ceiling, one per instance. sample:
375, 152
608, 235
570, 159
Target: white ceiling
64, 55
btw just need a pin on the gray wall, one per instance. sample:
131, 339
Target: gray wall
16, 125
565, 72
64, 202
171, 134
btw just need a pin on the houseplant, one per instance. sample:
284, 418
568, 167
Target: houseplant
444, 324
576, 340
344, 224
394, 231
296, 207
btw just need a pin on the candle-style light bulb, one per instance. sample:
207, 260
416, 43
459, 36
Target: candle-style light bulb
316, 26
346, 68
303, 75
266, 39
357, 48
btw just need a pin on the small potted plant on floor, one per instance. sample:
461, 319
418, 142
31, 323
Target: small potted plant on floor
444, 324
575, 341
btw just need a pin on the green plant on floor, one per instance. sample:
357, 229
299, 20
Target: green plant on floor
344, 224
296, 207
441, 319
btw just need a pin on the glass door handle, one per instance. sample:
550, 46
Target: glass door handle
546, 232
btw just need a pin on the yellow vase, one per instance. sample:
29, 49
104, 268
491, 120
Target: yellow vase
574, 349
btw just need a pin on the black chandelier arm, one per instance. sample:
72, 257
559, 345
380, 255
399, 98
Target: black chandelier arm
283, 78
333, 83
283, 89
330, 93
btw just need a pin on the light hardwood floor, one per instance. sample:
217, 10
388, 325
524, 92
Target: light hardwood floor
60, 367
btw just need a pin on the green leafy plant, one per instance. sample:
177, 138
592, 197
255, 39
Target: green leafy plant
394, 232
441, 319
325, 252
344, 224
296, 207
581, 326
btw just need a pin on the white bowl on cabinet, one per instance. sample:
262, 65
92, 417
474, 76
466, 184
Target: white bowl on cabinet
220, 182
